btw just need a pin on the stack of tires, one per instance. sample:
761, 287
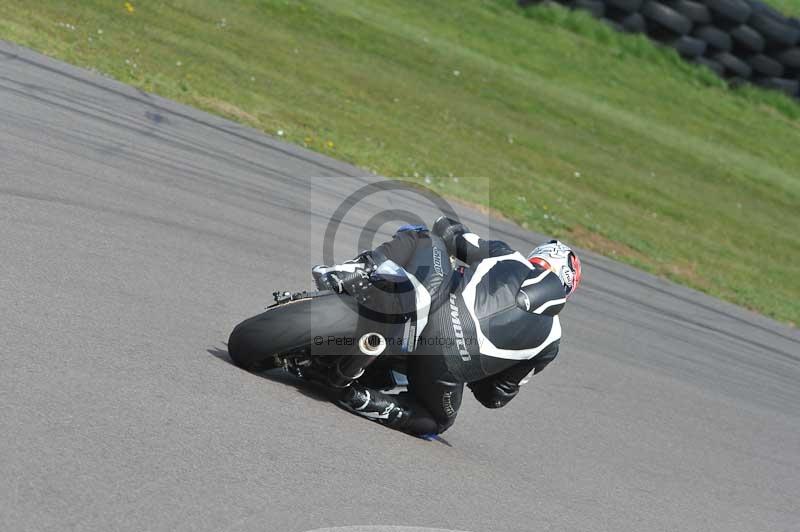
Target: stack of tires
740, 40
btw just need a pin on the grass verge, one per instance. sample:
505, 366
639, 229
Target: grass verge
602, 139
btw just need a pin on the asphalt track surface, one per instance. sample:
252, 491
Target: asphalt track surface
135, 232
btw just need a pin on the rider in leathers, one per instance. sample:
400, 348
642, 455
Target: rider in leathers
498, 315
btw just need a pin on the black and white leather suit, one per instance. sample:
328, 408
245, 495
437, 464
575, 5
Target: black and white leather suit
490, 325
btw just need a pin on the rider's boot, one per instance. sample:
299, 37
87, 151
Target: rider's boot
400, 412
383, 408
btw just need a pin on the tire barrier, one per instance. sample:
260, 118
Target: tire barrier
742, 41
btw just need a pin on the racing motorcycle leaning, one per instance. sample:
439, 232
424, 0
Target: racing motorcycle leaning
374, 322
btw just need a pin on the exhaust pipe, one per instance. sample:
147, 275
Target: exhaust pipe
372, 344
349, 368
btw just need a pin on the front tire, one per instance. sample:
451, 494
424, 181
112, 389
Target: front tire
289, 327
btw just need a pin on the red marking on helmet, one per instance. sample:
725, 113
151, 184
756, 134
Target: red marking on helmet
575, 264
540, 262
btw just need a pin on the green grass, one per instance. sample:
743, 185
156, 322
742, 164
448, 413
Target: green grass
790, 8
602, 139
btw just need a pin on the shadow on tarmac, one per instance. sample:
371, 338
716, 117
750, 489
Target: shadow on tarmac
313, 390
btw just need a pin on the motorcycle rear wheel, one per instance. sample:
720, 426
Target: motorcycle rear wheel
258, 342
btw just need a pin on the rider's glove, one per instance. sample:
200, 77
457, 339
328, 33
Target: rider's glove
449, 229
352, 277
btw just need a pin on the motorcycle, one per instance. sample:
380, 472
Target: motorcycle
326, 337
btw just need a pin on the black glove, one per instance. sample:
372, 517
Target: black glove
350, 274
342, 280
365, 259
448, 229
494, 393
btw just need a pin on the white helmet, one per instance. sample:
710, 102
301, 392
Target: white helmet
560, 259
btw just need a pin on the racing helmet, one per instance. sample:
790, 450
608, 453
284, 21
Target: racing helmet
561, 260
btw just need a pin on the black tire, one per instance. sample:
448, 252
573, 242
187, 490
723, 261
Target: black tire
628, 6
790, 87
288, 327
595, 7
765, 66
712, 65
714, 37
746, 38
733, 65
731, 11
633, 23
666, 17
777, 34
689, 47
695, 11
789, 58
